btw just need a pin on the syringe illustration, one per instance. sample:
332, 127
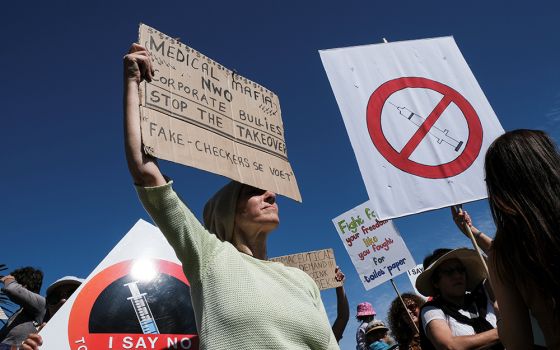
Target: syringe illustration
142, 309
437, 133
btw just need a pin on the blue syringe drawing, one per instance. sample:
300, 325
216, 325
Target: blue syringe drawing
437, 133
142, 309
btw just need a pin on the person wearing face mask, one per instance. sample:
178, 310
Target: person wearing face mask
240, 299
461, 314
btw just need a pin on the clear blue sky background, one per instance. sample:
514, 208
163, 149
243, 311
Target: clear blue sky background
67, 198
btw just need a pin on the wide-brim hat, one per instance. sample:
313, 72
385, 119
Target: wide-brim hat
375, 325
365, 309
66, 280
468, 257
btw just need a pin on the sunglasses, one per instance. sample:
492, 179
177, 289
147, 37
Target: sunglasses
411, 306
451, 270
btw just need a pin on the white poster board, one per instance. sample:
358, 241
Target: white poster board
124, 303
418, 122
376, 248
413, 274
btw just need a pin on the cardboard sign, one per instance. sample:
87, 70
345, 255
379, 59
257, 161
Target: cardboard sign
418, 121
376, 248
124, 303
198, 113
319, 264
413, 274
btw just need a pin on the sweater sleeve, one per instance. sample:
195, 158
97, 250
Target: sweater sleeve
192, 243
31, 302
333, 344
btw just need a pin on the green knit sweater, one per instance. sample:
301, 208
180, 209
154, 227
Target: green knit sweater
239, 302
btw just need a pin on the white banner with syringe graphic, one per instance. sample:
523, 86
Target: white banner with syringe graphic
418, 122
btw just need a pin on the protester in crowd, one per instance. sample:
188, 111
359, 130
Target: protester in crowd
22, 286
57, 294
240, 299
342, 307
377, 336
365, 314
404, 322
523, 181
455, 318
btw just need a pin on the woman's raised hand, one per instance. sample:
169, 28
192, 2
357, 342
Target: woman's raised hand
138, 64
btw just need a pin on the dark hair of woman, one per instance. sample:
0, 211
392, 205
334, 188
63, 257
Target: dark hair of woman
400, 323
29, 277
438, 253
523, 180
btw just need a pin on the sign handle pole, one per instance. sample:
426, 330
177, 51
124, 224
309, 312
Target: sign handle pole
459, 208
404, 305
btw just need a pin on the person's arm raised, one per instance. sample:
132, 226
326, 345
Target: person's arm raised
143, 168
463, 219
342, 307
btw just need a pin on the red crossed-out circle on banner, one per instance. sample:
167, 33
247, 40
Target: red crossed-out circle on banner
401, 159
79, 335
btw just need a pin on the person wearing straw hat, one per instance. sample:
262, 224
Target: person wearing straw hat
461, 314
365, 314
240, 299
377, 336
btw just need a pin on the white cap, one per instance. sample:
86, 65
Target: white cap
66, 280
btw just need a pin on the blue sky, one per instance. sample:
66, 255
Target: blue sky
67, 195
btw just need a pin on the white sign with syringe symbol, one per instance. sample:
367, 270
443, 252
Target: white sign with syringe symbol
435, 132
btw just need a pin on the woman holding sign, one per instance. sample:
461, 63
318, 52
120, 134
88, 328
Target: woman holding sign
523, 180
240, 300
455, 319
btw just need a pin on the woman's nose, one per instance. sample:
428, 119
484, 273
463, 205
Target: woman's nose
269, 197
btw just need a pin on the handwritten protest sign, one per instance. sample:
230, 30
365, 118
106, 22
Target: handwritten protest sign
413, 274
198, 113
376, 248
319, 264
418, 121
124, 303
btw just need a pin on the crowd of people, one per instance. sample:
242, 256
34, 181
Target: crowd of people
243, 301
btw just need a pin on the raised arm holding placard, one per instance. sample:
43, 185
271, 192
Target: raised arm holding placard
240, 299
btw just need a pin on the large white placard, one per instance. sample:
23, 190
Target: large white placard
418, 122
125, 302
413, 274
376, 248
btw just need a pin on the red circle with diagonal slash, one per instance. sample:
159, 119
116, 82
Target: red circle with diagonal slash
401, 159
79, 335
